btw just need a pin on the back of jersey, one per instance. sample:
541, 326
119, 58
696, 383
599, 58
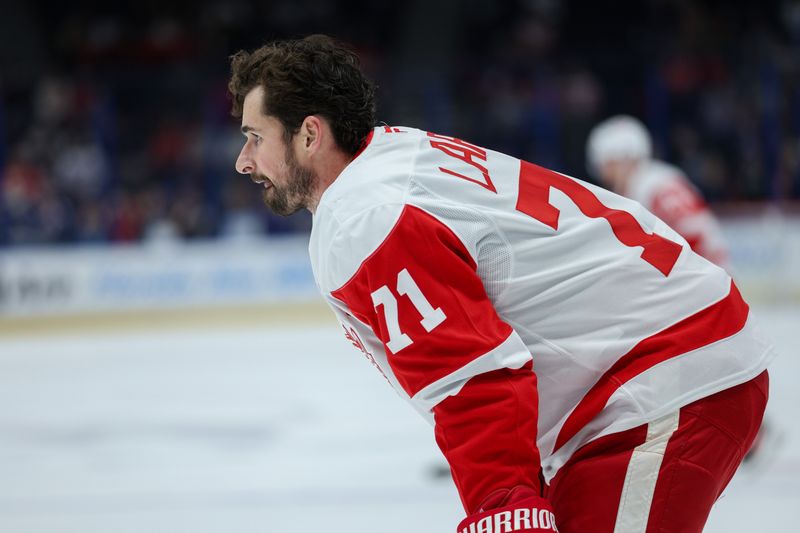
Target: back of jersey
624, 323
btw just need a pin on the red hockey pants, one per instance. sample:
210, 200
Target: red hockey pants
662, 477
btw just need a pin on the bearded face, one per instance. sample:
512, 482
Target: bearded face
290, 192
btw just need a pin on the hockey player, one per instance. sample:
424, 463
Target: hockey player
619, 152
583, 369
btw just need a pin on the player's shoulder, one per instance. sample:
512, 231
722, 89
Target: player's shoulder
360, 208
389, 232
341, 241
661, 172
671, 195
378, 174
388, 191
653, 177
671, 180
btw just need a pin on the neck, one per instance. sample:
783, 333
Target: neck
326, 173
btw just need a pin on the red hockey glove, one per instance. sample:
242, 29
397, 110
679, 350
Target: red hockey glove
528, 513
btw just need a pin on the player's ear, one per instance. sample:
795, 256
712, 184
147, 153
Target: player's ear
311, 134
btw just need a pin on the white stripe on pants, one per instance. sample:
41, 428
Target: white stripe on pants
642, 474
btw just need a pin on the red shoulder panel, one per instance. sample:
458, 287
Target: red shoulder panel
420, 293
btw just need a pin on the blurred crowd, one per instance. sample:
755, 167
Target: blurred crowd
115, 125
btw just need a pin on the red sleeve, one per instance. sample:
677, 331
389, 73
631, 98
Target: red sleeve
488, 434
421, 295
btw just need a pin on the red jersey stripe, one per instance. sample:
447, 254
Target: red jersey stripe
714, 323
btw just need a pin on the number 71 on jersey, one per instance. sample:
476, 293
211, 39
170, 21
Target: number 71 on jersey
406, 286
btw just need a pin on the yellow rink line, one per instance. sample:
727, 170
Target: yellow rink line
288, 314
268, 315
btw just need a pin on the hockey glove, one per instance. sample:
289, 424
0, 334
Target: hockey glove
528, 513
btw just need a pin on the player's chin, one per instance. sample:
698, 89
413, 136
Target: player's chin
278, 203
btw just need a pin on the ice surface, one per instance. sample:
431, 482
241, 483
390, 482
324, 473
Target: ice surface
267, 430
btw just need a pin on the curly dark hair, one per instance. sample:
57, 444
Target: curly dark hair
310, 76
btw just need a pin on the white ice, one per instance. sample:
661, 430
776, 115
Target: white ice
268, 430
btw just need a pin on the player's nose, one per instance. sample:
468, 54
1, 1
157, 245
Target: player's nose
244, 163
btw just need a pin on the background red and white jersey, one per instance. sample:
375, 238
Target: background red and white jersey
445, 262
666, 192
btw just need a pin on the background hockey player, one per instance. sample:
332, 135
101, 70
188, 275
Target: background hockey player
619, 152
580, 364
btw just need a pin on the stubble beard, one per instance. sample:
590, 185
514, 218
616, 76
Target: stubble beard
295, 195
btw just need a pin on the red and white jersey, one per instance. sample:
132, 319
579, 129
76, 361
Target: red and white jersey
666, 192
456, 269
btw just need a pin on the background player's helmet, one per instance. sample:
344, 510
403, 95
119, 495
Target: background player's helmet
619, 137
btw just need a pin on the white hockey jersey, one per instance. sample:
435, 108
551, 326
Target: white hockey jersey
665, 191
454, 268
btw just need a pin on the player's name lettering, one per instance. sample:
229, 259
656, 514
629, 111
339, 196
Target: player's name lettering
522, 519
466, 152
